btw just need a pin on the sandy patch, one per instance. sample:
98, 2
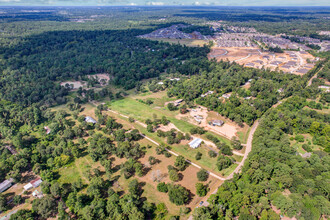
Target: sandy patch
201, 114
74, 84
290, 61
103, 78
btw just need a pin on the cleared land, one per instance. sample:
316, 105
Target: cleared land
187, 42
296, 62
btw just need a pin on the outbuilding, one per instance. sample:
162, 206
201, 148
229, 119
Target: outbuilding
195, 143
6, 184
28, 186
90, 120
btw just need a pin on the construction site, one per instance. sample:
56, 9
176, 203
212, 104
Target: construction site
248, 47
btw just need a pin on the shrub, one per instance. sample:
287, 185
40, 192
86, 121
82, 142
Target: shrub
198, 156
202, 175
162, 187
212, 153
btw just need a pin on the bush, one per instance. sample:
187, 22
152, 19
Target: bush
167, 154
174, 175
162, 187
212, 154
307, 148
171, 107
180, 163
299, 138
198, 156
202, 175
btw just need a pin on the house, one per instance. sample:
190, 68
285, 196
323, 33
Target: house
226, 96
35, 183
280, 90
90, 120
6, 184
28, 186
306, 155
178, 102
326, 88
36, 193
195, 143
206, 94
47, 129
160, 83
217, 122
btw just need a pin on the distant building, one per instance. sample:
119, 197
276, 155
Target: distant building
6, 184
90, 120
35, 183
217, 123
226, 96
306, 155
326, 88
47, 129
280, 90
28, 186
36, 193
195, 143
177, 102
206, 94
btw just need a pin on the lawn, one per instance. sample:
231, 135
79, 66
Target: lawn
142, 112
76, 170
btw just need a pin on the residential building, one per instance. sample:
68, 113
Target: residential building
90, 120
217, 122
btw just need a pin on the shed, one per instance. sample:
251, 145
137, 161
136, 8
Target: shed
90, 120
6, 184
35, 193
195, 143
217, 122
28, 186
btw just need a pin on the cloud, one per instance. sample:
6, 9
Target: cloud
156, 3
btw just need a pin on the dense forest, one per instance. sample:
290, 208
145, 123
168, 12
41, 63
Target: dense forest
38, 65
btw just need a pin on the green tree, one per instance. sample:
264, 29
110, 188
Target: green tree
202, 175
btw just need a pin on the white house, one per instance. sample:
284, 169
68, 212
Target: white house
195, 143
6, 184
90, 120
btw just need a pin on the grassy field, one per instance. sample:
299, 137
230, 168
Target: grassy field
75, 171
142, 112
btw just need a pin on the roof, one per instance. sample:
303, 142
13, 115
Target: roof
195, 143
28, 186
6, 183
218, 121
90, 119
36, 182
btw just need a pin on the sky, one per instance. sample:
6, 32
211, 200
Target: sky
166, 2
